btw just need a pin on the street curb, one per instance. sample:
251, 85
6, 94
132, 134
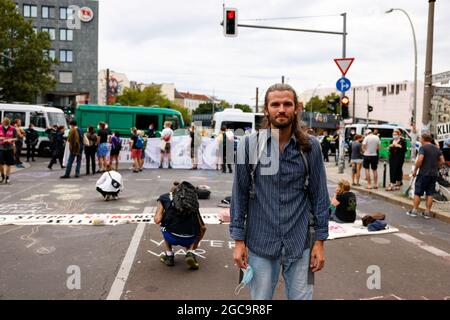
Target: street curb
438, 214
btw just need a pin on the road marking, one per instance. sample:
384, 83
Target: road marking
424, 246
144, 179
18, 192
122, 276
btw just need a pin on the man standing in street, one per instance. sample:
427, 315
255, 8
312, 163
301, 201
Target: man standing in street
32, 139
370, 146
8, 136
270, 211
75, 140
19, 142
428, 164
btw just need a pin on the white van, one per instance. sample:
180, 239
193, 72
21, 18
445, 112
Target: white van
385, 132
41, 117
236, 119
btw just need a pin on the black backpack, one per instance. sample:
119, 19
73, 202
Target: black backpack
185, 199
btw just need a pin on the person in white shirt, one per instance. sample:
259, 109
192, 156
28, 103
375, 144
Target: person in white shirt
370, 147
166, 138
110, 184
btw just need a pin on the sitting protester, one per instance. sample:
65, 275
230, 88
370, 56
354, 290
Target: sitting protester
344, 203
181, 223
110, 184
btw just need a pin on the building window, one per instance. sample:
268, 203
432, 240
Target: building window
35, 29
50, 54
383, 90
29, 11
51, 32
65, 76
65, 35
65, 56
63, 13
48, 12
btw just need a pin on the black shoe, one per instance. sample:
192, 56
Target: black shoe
64, 177
77, 176
50, 167
63, 167
33, 160
3, 179
191, 261
168, 260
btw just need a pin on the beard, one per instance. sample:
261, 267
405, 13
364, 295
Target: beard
282, 122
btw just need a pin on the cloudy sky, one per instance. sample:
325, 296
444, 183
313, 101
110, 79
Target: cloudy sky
182, 42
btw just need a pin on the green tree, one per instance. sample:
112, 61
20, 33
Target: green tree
149, 97
243, 107
26, 73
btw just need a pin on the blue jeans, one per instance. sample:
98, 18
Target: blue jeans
70, 162
266, 273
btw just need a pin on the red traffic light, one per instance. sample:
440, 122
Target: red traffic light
231, 14
345, 100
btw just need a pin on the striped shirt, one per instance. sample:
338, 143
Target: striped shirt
278, 217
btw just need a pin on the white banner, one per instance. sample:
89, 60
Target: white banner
180, 153
443, 131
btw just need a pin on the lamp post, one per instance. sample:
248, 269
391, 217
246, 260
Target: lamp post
414, 113
312, 109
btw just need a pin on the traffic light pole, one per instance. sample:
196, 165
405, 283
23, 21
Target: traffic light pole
341, 164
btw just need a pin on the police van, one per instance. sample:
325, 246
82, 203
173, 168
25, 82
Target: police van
40, 116
239, 121
385, 132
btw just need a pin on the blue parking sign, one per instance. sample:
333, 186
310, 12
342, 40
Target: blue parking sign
343, 84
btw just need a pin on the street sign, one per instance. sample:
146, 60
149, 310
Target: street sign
442, 91
441, 77
344, 64
343, 84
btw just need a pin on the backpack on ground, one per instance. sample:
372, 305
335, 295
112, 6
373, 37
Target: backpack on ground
139, 142
185, 199
203, 192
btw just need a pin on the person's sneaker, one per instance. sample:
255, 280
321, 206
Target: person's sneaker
3, 179
108, 197
7, 181
412, 213
115, 197
64, 177
427, 215
191, 261
77, 176
168, 260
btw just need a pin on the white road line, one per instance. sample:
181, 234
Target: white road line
118, 286
423, 245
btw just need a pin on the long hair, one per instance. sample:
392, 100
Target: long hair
303, 143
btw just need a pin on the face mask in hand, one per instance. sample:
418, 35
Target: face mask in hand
246, 279
395, 136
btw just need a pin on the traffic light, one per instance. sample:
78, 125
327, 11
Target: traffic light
230, 25
369, 108
344, 104
333, 104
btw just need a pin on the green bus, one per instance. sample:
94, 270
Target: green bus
123, 118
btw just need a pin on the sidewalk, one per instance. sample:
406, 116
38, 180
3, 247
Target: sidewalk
15, 169
441, 211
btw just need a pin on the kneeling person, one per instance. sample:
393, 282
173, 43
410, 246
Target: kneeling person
110, 184
345, 204
180, 227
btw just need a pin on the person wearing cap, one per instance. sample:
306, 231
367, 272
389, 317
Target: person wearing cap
370, 146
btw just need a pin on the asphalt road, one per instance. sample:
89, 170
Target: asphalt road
100, 262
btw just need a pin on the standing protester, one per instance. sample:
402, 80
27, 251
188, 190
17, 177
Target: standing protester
270, 212
356, 159
116, 147
76, 147
51, 134
446, 149
225, 144
370, 146
180, 226
110, 184
350, 140
58, 147
144, 146
19, 142
166, 138
326, 144
32, 139
195, 143
8, 136
397, 151
102, 142
136, 144
90, 148
151, 131
428, 163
